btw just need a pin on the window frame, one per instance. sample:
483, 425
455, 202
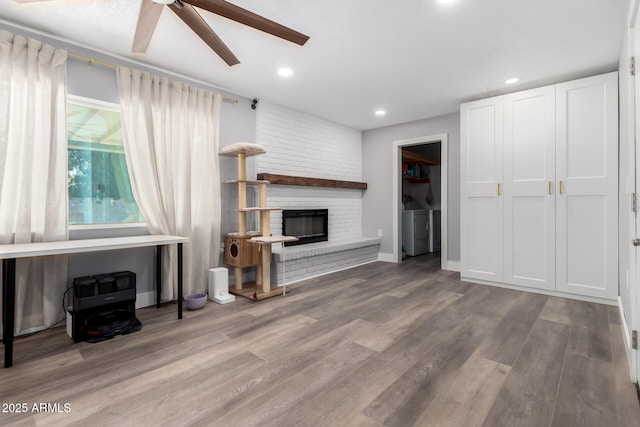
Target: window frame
108, 106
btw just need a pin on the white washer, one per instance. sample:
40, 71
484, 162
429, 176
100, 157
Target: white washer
421, 231
415, 232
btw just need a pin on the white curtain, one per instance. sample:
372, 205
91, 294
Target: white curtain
33, 171
170, 138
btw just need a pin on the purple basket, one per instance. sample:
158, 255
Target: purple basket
195, 301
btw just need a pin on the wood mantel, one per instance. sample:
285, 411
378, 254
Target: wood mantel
310, 182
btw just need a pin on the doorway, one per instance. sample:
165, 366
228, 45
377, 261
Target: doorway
417, 190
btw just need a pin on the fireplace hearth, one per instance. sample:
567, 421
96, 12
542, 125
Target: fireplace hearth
308, 225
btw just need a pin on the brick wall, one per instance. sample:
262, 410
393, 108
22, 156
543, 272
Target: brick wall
303, 145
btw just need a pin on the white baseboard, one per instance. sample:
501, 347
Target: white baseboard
626, 334
145, 299
596, 300
453, 266
385, 257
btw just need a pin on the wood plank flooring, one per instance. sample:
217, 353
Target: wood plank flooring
377, 345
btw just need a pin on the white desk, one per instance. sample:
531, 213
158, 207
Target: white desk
9, 253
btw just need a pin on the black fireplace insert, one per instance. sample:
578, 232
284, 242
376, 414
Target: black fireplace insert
308, 225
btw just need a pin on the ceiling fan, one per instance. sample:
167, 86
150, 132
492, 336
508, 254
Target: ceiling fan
150, 12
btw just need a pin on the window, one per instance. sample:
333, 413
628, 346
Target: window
99, 186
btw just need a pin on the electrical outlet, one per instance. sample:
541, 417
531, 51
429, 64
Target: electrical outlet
379, 232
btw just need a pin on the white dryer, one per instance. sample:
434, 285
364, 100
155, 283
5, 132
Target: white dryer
420, 231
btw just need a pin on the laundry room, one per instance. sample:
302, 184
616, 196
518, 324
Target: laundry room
421, 199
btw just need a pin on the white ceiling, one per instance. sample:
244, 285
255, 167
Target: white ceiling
413, 58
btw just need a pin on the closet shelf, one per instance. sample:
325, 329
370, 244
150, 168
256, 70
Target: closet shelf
415, 179
411, 157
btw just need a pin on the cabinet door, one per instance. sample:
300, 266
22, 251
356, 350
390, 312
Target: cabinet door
481, 227
529, 174
587, 179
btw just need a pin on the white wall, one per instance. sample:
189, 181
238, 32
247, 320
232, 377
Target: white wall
377, 146
299, 144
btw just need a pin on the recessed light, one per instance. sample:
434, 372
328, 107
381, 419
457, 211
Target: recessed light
446, 1
285, 72
511, 81
380, 112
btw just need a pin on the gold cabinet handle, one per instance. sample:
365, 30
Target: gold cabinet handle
499, 190
550, 187
561, 188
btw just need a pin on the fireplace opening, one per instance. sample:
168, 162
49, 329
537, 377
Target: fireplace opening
308, 225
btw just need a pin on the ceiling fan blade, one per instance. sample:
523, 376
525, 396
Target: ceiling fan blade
243, 16
147, 20
190, 17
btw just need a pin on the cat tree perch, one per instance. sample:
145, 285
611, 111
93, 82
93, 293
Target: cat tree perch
251, 248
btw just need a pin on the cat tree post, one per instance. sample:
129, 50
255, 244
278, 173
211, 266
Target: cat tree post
265, 229
262, 203
242, 215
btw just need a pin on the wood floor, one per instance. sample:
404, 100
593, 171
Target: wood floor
378, 345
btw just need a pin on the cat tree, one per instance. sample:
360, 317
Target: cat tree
251, 248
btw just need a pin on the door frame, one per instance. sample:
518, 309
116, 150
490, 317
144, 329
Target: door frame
631, 321
396, 202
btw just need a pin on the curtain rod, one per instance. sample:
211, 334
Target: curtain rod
91, 61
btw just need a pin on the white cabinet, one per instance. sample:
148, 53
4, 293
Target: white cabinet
539, 188
481, 222
587, 169
529, 177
